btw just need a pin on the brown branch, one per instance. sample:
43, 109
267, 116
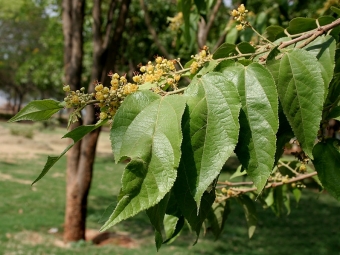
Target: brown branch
311, 35
109, 23
153, 31
275, 184
204, 28
235, 183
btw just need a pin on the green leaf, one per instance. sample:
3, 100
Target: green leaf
245, 47
270, 198
232, 35
335, 113
240, 171
297, 194
188, 206
131, 107
156, 216
146, 128
38, 110
274, 32
147, 86
250, 213
258, 120
207, 67
335, 10
300, 25
301, 92
286, 199
217, 217
323, 48
326, 162
225, 50
76, 135
173, 226
210, 130
186, 6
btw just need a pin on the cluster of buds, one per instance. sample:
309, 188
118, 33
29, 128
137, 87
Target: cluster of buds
162, 72
111, 98
76, 99
298, 185
199, 59
176, 22
240, 15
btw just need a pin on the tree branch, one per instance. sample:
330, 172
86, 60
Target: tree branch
109, 23
311, 35
204, 28
153, 31
274, 184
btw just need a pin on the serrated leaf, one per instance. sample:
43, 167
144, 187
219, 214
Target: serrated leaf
323, 48
156, 216
76, 135
38, 110
210, 130
217, 217
301, 92
258, 119
148, 130
250, 213
326, 161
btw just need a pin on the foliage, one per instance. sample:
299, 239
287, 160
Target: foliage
251, 100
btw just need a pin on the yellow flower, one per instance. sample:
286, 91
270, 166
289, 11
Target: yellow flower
239, 27
241, 8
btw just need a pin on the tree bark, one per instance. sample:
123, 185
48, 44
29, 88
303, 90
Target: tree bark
81, 157
75, 213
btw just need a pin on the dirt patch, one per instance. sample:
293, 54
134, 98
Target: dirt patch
111, 238
7, 177
14, 148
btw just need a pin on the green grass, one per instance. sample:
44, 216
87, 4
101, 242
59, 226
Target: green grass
26, 215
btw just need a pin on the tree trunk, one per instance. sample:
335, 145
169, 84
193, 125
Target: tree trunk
81, 157
75, 213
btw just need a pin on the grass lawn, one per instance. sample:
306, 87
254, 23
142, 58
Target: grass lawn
27, 214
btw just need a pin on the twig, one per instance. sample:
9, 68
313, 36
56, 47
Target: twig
275, 184
289, 168
175, 91
311, 35
235, 183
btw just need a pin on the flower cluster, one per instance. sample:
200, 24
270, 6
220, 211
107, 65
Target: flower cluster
176, 22
111, 98
76, 99
199, 59
162, 72
240, 15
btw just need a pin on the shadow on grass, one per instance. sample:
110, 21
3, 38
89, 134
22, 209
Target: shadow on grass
312, 228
